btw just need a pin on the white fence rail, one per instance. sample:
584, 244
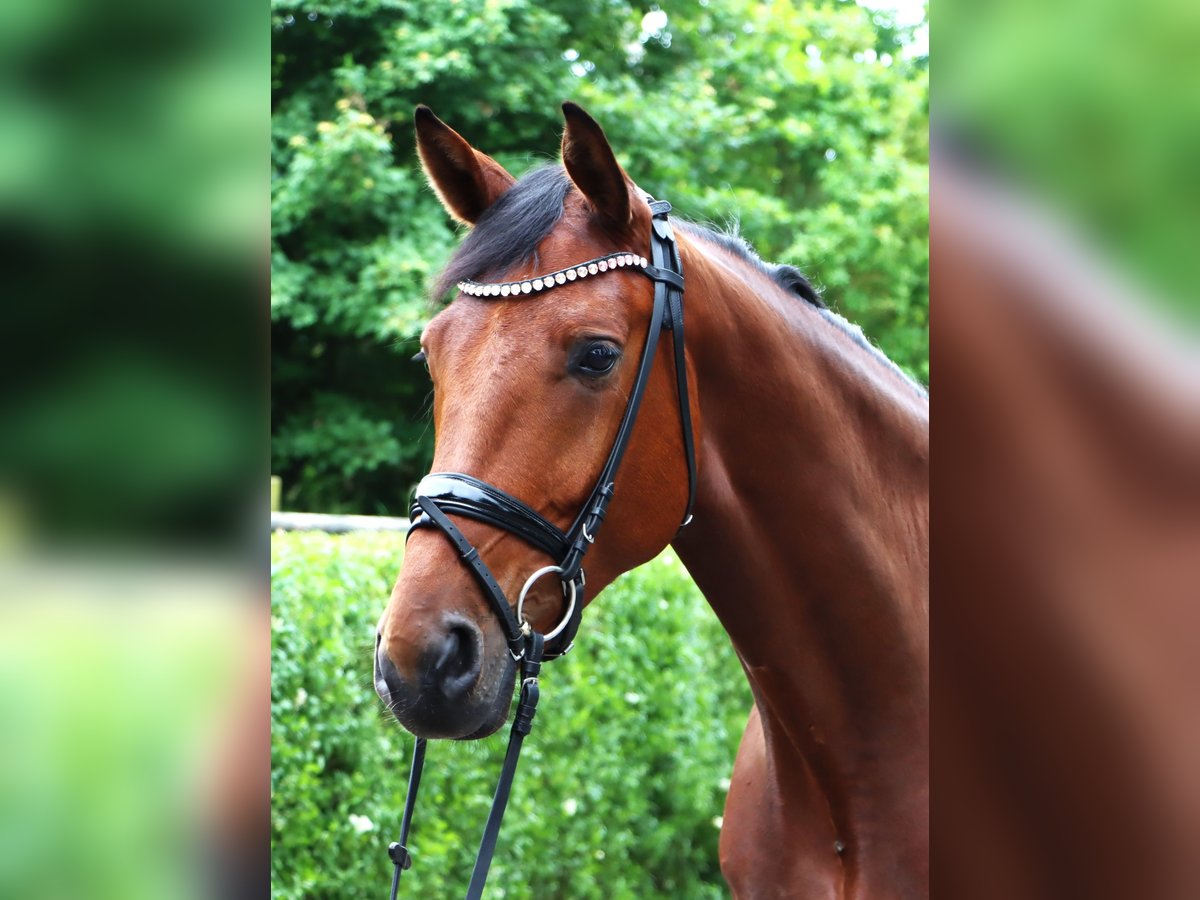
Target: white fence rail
295, 521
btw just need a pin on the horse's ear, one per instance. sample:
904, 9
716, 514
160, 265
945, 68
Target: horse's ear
466, 181
593, 168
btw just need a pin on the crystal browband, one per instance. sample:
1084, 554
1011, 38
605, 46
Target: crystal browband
609, 263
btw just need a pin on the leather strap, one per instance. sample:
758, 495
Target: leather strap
521, 726
398, 851
464, 495
491, 588
583, 532
674, 279
665, 251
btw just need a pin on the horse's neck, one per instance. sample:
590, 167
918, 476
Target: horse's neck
810, 530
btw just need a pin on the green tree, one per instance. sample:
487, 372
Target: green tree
804, 122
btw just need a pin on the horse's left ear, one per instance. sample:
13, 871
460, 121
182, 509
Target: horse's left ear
593, 168
466, 181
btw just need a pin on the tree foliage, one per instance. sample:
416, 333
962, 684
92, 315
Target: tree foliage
805, 123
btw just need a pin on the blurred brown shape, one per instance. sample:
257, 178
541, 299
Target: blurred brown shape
1066, 576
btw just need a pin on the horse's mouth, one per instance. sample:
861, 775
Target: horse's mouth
479, 715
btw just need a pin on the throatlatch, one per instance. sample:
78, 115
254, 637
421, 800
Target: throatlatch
441, 495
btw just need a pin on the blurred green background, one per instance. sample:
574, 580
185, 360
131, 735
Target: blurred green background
133, 449
133, 216
133, 700
619, 790
805, 123
1090, 109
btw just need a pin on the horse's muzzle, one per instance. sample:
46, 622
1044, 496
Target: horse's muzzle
449, 694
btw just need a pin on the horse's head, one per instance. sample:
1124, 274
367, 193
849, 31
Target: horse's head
529, 392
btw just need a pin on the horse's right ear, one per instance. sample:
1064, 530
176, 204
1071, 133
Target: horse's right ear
466, 181
593, 168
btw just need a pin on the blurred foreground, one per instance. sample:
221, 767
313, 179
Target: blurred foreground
133, 604
1066, 582
1066, 434
134, 696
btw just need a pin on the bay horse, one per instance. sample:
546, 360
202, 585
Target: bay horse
810, 529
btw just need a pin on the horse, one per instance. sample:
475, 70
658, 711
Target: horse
809, 530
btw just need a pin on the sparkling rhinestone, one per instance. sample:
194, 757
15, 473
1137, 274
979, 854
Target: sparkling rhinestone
537, 284
642, 262
526, 287
582, 271
603, 266
559, 278
504, 290
492, 290
593, 268
571, 275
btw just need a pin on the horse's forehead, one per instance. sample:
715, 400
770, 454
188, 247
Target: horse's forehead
468, 320
596, 306
469, 326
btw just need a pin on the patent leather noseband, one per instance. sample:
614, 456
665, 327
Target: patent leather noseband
444, 494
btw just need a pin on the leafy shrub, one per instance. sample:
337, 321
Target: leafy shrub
620, 785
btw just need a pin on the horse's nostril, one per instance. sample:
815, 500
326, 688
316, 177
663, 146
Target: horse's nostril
458, 660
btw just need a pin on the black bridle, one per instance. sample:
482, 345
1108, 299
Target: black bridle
440, 495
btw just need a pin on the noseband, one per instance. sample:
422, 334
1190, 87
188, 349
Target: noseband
443, 494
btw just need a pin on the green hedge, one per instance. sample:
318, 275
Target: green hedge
621, 784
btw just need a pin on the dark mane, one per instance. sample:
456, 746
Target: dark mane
792, 280
787, 277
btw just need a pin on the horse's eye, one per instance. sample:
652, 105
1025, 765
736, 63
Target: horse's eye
598, 358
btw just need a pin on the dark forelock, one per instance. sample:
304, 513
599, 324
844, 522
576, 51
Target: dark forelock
511, 230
